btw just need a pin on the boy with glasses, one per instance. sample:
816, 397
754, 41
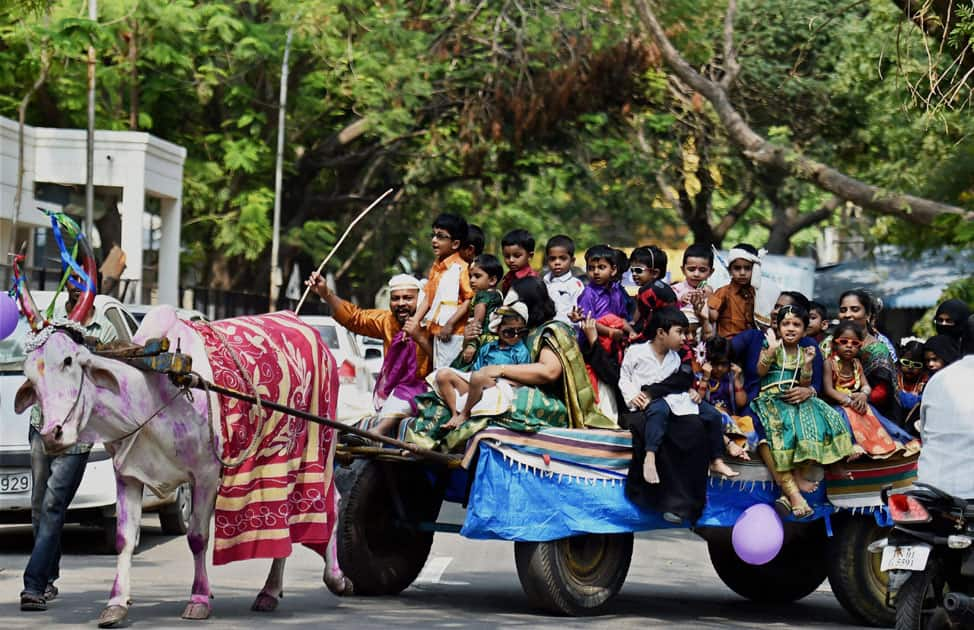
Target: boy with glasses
448, 292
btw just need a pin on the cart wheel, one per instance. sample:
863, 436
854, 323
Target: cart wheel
380, 552
574, 576
854, 573
796, 571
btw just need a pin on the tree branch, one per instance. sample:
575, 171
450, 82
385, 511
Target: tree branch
732, 67
786, 159
734, 214
826, 210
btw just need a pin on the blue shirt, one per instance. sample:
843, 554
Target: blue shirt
746, 348
492, 353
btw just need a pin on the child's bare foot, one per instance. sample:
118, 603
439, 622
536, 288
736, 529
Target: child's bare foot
719, 467
736, 450
454, 422
806, 485
649, 468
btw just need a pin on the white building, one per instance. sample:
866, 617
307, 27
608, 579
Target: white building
138, 173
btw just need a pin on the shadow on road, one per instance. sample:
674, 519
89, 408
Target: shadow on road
76, 540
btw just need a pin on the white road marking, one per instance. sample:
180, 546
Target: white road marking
432, 573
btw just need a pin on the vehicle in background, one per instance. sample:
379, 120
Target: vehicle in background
94, 502
138, 311
355, 377
374, 354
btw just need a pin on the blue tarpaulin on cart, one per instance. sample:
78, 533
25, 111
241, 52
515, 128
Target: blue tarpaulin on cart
512, 501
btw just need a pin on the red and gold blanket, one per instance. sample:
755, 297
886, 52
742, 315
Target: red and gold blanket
283, 493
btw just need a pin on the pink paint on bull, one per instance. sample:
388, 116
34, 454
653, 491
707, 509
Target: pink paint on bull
88, 396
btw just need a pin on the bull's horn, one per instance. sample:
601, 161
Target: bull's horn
82, 309
27, 306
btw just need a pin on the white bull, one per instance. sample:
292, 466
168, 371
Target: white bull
87, 397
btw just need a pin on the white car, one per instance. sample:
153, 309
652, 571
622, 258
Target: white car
355, 378
139, 311
374, 354
94, 502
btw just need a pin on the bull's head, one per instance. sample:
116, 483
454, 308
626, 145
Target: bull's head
64, 377
59, 370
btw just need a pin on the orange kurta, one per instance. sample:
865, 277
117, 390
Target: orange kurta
735, 308
379, 324
433, 287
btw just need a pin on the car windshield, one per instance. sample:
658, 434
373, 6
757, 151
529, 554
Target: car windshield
329, 334
12, 348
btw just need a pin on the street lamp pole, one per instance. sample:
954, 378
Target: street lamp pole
90, 139
276, 276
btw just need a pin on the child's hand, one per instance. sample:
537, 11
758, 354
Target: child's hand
591, 333
446, 331
469, 353
809, 353
707, 369
697, 301
773, 342
859, 402
575, 314
640, 402
736, 370
472, 330
695, 396
627, 331
317, 283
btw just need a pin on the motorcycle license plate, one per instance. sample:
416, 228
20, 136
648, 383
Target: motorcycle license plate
16, 482
905, 558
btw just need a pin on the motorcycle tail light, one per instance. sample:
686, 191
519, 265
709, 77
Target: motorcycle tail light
346, 372
905, 509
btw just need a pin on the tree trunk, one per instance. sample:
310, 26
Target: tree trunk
133, 59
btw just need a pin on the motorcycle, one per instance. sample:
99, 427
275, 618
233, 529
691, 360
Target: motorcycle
929, 558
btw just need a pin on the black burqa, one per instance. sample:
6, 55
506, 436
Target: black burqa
682, 461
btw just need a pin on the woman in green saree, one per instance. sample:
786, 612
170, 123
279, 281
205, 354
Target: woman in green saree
552, 391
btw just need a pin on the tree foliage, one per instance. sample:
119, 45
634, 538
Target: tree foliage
554, 116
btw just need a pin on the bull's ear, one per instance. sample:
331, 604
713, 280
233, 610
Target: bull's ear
26, 397
104, 379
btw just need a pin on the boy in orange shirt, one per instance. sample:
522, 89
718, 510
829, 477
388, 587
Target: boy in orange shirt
732, 306
447, 292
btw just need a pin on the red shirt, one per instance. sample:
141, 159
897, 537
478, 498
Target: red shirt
511, 276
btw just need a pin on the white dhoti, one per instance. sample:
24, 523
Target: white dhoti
444, 352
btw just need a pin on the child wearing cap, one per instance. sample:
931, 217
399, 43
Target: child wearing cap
509, 323
732, 306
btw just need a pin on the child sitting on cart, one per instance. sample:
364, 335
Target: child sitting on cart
453, 386
649, 363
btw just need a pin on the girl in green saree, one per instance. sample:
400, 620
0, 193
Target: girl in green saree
552, 391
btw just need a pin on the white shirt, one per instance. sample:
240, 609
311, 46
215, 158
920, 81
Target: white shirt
640, 366
947, 430
564, 291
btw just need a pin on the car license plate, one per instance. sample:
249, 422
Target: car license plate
15, 482
906, 558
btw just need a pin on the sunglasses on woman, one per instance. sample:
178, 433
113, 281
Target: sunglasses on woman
511, 333
911, 365
845, 341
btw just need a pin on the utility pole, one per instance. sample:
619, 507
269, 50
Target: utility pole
276, 276
90, 140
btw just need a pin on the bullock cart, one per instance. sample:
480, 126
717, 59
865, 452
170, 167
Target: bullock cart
559, 496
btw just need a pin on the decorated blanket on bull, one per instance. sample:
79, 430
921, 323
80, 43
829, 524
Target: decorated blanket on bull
562, 482
277, 485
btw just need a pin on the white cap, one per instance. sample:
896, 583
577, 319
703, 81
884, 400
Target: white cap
404, 281
517, 308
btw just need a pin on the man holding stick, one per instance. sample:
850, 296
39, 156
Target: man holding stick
407, 346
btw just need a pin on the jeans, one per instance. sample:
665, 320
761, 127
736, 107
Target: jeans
56, 480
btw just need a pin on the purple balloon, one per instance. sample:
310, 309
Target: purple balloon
9, 314
758, 535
